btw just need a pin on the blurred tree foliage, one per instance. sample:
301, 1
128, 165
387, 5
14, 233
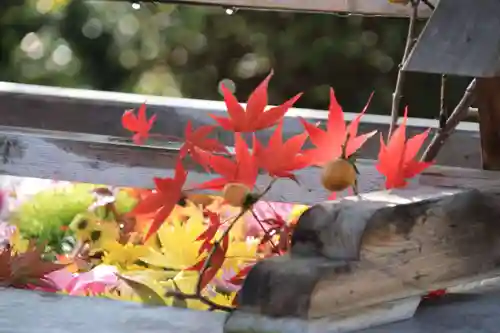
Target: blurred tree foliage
188, 51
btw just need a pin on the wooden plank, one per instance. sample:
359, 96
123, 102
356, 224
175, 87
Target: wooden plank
98, 159
358, 253
458, 40
488, 101
372, 7
107, 160
99, 112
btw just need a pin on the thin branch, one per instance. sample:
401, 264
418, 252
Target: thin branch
443, 112
398, 90
206, 264
460, 112
198, 293
428, 4
268, 235
183, 296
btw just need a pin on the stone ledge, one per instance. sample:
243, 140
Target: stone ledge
359, 254
24, 311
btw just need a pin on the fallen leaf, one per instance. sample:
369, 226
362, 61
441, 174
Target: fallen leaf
139, 124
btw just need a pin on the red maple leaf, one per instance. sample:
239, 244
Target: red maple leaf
208, 235
242, 274
162, 200
280, 158
328, 144
396, 161
242, 168
139, 124
255, 117
435, 294
216, 262
196, 144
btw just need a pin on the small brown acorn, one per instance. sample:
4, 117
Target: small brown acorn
235, 194
338, 175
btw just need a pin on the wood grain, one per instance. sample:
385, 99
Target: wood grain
109, 160
358, 253
99, 112
457, 40
372, 7
488, 101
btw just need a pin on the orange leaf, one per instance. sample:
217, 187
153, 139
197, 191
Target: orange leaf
208, 235
196, 143
242, 168
396, 161
280, 158
255, 117
216, 262
162, 201
328, 144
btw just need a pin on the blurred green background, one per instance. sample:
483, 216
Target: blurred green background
187, 51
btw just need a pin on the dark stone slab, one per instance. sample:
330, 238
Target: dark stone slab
29, 312
476, 313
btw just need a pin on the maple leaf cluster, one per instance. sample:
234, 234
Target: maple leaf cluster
26, 270
278, 158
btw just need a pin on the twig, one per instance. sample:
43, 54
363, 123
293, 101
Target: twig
443, 112
268, 235
225, 233
397, 95
459, 113
428, 4
197, 295
183, 296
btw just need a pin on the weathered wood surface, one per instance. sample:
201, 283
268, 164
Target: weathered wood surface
372, 7
458, 40
107, 160
359, 253
99, 112
488, 100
